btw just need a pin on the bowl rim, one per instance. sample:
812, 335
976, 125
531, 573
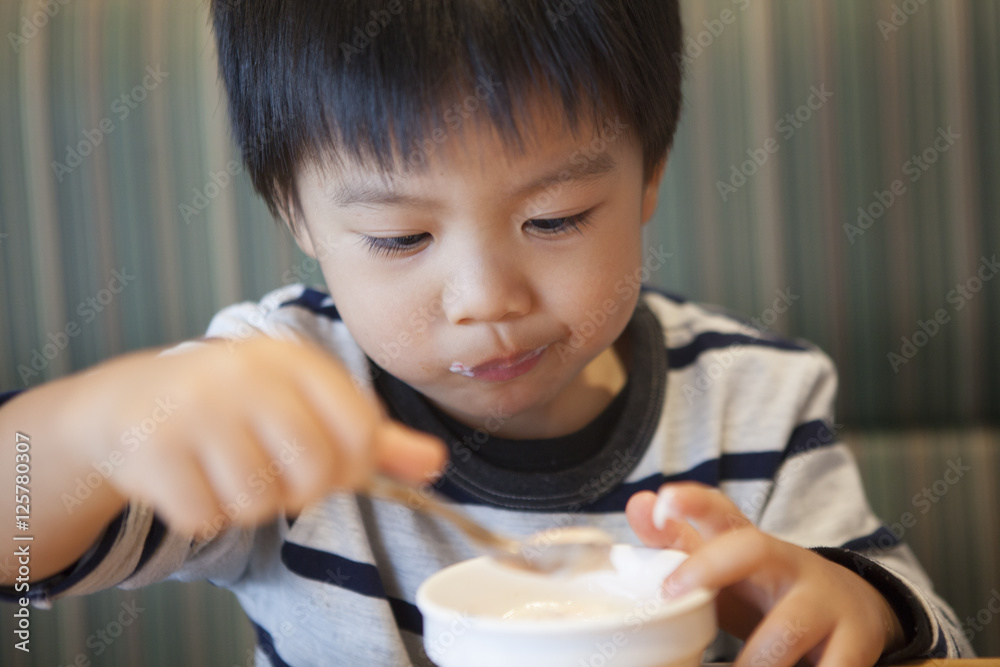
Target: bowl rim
691, 600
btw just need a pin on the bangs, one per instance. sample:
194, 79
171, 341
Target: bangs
381, 84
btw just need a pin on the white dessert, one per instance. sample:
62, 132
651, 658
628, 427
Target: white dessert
636, 577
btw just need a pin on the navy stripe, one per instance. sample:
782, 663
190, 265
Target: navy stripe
63, 580
730, 467
809, 436
882, 539
7, 395
266, 644
312, 300
706, 473
940, 649
361, 578
748, 466
332, 569
685, 355
109, 538
408, 617
154, 537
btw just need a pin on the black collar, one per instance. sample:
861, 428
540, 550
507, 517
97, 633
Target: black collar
476, 479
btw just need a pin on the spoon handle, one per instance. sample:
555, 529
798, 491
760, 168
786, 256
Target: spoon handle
425, 500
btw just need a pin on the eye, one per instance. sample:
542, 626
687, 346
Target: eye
557, 226
382, 246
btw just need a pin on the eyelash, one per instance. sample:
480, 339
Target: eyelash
573, 223
390, 246
386, 247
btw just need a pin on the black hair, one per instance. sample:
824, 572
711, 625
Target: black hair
369, 80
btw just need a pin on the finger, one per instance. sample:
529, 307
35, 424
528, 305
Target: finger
302, 459
233, 463
790, 630
408, 454
707, 508
672, 535
178, 489
348, 415
844, 649
731, 558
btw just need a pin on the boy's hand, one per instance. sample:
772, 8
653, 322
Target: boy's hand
254, 428
786, 601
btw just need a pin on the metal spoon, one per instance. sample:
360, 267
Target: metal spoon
573, 549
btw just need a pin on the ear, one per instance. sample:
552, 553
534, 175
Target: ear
651, 191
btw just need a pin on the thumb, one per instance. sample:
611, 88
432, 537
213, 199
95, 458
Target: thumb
408, 454
673, 535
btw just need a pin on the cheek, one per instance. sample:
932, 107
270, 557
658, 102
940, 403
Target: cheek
612, 267
614, 278
597, 292
389, 322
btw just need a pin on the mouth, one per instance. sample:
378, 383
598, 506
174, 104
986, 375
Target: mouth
501, 368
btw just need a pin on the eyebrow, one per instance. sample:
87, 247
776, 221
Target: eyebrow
372, 193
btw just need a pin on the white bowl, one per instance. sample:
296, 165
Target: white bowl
479, 613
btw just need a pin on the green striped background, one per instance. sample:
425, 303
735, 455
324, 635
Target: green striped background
781, 230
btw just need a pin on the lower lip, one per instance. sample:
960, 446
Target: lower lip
503, 373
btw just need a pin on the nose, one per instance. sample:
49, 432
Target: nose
486, 287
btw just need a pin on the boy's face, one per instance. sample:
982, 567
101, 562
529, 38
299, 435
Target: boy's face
496, 295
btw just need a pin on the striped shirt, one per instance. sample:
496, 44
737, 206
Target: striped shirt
710, 400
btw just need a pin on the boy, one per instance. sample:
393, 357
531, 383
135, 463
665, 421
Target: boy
473, 179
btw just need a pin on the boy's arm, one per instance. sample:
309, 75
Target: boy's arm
803, 563
221, 413
821, 490
60, 532
818, 501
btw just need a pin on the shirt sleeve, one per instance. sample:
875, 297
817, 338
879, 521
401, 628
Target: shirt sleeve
818, 502
137, 548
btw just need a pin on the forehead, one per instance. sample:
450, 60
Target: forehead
458, 144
